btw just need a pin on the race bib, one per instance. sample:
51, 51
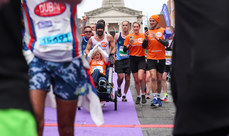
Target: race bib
168, 57
61, 38
121, 52
100, 68
168, 54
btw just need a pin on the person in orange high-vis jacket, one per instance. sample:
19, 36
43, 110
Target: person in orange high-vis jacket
155, 45
133, 43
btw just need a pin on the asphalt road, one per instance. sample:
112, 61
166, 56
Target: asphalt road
148, 115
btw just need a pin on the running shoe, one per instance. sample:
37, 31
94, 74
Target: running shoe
144, 99
154, 102
148, 96
159, 102
119, 94
124, 99
138, 100
102, 103
165, 98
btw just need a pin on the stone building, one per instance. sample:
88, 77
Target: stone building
171, 8
114, 13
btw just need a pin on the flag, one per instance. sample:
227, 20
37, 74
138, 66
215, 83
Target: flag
166, 14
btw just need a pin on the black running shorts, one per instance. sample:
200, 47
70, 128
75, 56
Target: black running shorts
159, 65
137, 63
167, 68
122, 66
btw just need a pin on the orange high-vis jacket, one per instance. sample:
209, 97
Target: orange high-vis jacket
155, 50
135, 49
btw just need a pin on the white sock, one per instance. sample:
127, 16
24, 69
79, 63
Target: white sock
119, 87
124, 94
143, 93
139, 96
158, 95
154, 95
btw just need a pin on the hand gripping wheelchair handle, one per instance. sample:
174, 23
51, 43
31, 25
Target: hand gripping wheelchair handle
111, 59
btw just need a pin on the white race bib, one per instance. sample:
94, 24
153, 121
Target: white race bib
100, 68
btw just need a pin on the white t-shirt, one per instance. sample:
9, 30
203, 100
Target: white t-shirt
51, 30
168, 55
104, 43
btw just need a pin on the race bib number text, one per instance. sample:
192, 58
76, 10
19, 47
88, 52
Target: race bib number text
61, 38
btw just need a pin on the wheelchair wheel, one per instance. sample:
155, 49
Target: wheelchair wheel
115, 101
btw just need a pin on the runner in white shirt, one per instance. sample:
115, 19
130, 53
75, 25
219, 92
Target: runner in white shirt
52, 34
168, 64
106, 41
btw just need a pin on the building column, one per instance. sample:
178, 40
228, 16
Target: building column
120, 26
106, 27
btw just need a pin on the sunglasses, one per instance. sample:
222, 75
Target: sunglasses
87, 31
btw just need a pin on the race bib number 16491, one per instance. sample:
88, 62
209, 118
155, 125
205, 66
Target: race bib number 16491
61, 38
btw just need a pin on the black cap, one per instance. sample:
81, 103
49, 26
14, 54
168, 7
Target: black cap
100, 25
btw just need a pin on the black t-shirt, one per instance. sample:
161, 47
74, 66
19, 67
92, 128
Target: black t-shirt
14, 87
200, 66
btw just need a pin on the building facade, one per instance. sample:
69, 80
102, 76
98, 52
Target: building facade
171, 8
114, 12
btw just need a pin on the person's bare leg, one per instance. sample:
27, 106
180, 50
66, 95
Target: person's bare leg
137, 87
141, 79
153, 74
37, 98
136, 83
164, 86
120, 79
119, 82
156, 101
66, 111
159, 79
148, 83
164, 83
144, 82
127, 83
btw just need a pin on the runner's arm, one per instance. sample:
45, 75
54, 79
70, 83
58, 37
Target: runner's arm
104, 54
85, 19
145, 41
116, 37
145, 44
93, 50
112, 44
126, 44
27, 54
164, 42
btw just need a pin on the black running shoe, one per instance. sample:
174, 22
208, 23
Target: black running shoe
138, 100
119, 94
144, 99
124, 99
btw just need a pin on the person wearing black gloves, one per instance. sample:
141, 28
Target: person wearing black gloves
155, 45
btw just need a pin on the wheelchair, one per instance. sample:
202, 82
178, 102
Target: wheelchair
105, 87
